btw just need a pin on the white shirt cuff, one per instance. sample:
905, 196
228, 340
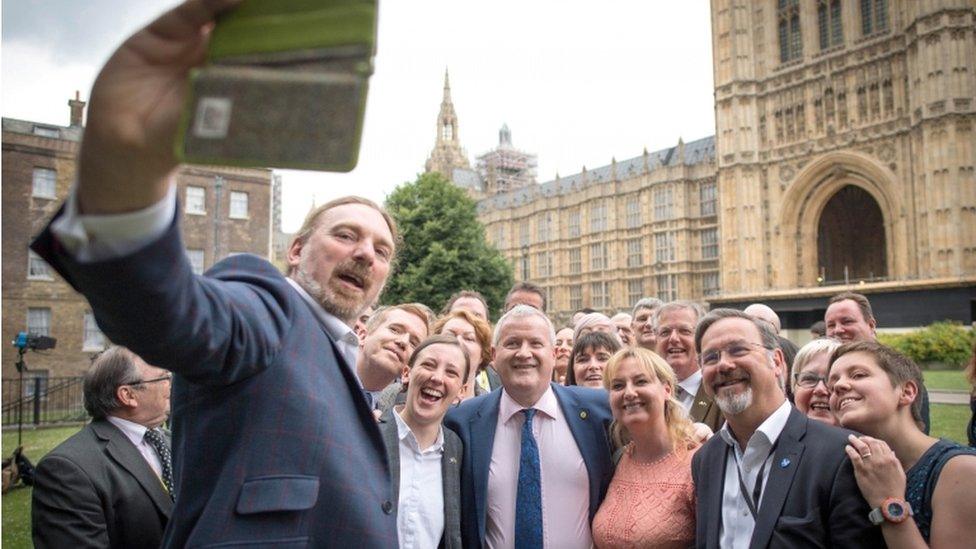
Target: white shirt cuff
91, 238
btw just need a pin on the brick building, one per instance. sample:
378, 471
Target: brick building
223, 211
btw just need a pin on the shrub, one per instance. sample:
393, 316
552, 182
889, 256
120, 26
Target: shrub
944, 342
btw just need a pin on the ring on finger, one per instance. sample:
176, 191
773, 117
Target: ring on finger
866, 455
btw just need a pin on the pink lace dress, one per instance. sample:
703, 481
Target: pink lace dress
648, 504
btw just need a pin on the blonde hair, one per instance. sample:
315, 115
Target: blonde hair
808, 352
681, 432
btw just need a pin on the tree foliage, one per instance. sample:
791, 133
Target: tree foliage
444, 248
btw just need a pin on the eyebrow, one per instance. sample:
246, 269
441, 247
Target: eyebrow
360, 229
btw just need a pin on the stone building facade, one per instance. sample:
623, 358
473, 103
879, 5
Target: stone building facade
843, 159
223, 211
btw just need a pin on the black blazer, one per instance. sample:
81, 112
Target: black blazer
811, 498
450, 476
96, 490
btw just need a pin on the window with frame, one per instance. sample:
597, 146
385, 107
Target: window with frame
93, 339
499, 236
575, 261
598, 216
238, 205
196, 200
788, 21
37, 268
710, 284
39, 321
524, 232
874, 16
635, 252
635, 291
707, 194
573, 224
196, 258
543, 226
575, 297
829, 23
526, 266
598, 256
709, 244
667, 287
663, 203
664, 247
45, 131
633, 216
543, 262
599, 295
44, 183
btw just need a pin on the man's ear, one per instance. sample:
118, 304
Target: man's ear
125, 394
294, 255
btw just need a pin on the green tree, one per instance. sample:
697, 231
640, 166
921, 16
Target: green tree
444, 248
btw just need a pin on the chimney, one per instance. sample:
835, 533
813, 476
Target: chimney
77, 110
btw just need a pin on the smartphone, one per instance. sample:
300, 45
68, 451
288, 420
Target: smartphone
284, 86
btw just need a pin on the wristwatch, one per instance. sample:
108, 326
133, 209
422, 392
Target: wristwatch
893, 510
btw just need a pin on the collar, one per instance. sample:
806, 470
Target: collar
770, 429
691, 383
547, 404
404, 433
132, 430
339, 330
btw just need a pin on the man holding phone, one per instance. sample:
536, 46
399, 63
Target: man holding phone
273, 440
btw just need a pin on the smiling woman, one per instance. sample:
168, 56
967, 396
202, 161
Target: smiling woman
589, 358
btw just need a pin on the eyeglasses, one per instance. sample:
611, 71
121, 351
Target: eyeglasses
809, 380
666, 332
167, 377
738, 349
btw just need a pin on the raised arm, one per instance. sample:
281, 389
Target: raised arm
127, 159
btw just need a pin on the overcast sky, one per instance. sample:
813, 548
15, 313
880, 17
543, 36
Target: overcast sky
578, 82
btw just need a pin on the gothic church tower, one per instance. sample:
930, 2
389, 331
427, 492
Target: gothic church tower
447, 154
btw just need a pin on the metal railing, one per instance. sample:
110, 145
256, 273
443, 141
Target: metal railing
43, 400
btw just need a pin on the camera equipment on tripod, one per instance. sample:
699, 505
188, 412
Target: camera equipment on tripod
34, 342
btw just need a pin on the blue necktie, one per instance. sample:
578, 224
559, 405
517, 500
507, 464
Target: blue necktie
528, 499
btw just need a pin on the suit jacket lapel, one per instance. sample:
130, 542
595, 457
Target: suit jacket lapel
391, 441
450, 474
713, 461
121, 450
482, 441
786, 461
586, 439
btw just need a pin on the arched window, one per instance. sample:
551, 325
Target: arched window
447, 131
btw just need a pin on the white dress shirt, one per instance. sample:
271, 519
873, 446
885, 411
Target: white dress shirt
420, 508
91, 238
136, 434
565, 483
690, 386
737, 520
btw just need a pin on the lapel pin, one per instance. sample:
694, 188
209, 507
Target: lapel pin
453, 460
583, 414
785, 463
702, 403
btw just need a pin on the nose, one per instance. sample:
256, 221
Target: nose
821, 388
629, 390
364, 251
524, 350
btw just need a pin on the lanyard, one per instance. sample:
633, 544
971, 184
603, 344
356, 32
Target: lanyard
753, 501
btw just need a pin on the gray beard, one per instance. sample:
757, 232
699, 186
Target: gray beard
324, 296
735, 404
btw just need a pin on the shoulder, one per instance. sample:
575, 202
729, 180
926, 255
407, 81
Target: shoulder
825, 438
457, 418
596, 399
78, 445
452, 442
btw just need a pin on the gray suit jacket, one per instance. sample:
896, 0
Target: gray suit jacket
450, 476
96, 490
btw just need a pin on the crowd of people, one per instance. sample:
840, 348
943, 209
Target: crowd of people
303, 417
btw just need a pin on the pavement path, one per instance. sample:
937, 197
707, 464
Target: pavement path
949, 397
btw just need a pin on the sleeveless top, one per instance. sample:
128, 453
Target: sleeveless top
922, 478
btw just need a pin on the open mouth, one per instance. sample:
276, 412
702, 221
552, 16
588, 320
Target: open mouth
633, 406
846, 401
820, 405
353, 279
431, 396
677, 351
524, 366
594, 377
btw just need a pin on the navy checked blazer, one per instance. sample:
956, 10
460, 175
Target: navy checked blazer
273, 442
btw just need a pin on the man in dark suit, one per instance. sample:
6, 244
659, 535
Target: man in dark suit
674, 329
510, 436
106, 485
770, 477
425, 459
273, 441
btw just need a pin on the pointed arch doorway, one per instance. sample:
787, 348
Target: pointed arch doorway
851, 242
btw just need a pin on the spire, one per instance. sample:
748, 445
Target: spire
504, 136
447, 154
447, 87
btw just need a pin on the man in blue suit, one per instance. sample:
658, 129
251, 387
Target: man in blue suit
536, 455
273, 441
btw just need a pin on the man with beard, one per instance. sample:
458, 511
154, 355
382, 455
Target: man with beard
643, 324
271, 426
674, 328
772, 477
392, 333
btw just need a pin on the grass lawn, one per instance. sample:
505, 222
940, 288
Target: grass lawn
942, 380
16, 503
949, 421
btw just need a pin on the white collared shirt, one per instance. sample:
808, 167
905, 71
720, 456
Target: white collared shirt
690, 384
136, 434
565, 483
420, 507
737, 520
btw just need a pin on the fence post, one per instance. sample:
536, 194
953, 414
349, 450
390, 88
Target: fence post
37, 401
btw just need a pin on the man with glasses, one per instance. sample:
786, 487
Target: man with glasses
772, 477
110, 484
674, 329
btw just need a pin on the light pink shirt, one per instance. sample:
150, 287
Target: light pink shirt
565, 483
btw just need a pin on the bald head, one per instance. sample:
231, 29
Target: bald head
763, 312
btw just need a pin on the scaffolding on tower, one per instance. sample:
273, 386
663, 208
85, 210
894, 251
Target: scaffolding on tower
506, 168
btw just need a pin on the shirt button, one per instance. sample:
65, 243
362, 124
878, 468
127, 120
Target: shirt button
387, 507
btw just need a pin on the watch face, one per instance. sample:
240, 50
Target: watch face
895, 510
